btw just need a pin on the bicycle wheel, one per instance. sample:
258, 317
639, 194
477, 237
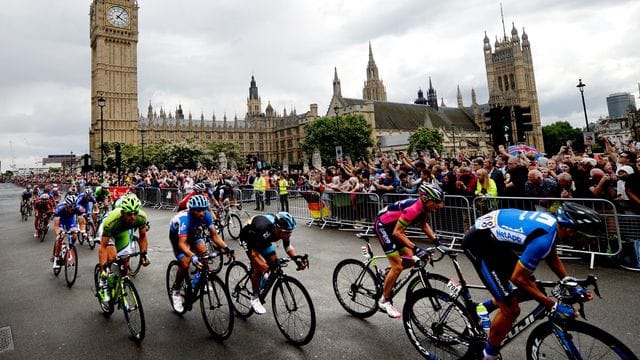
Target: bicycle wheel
356, 288
436, 281
23, 213
91, 234
234, 225
293, 310
437, 325
135, 262
172, 271
105, 308
215, 263
133, 312
61, 257
71, 266
589, 341
238, 282
43, 228
216, 308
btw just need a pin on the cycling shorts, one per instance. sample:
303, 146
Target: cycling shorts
493, 260
179, 254
390, 245
68, 223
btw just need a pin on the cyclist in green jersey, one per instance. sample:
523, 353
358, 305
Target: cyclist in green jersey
115, 239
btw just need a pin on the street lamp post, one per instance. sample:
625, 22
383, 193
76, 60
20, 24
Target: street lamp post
581, 86
142, 131
101, 104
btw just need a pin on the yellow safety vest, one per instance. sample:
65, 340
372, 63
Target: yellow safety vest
282, 187
258, 184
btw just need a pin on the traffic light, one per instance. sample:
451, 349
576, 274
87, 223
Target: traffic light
499, 124
523, 121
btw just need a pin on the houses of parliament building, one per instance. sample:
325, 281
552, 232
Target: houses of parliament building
274, 136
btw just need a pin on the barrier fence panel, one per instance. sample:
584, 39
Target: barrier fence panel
608, 243
629, 227
304, 205
169, 198
454, 219
349, 208
152, 197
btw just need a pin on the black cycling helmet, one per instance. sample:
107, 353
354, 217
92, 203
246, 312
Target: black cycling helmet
584, 219
200, 187
285, 221
432, 192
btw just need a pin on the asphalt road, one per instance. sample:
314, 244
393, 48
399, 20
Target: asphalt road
50, 321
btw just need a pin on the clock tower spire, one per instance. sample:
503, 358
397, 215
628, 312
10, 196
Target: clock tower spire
113, 35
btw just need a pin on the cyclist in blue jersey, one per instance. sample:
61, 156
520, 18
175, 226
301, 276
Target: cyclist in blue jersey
490, 245
391, 225
185, 234
64, 216
85, 202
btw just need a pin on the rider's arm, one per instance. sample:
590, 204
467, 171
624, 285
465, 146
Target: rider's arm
144, 245
426, 228
184, 246
216, 238
556, 265
291, 251
399, 234
521, 278
56, 225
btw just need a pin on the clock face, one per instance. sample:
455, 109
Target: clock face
118, 16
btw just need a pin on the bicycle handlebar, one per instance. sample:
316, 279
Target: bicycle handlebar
282, 262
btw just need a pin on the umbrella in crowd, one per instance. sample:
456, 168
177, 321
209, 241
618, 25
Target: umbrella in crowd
515, 149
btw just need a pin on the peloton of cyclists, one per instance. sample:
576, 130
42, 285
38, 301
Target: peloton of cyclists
188, 243
259, 236
390, 226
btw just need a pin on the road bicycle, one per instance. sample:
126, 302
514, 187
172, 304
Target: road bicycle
445, 324
215, 302
122, 293
25, 210
358, 284
68, 257
42, 225
291, 304
91, 230
135, 261
229, 221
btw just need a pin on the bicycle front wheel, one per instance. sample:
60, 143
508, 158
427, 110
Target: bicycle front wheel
133, 312
216, 308
356, 288
437, 325
234, 225
172, 272
434, 280
105, 308
293, 310
238, 280
134, 261
71, 266
588, 341
91, 235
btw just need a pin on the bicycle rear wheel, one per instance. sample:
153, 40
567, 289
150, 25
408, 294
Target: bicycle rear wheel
43, 228
234, 225
293, 310
133, 312
71, 266
356, 288
589, 341
437, 325
216, 308
105, 308
23, 212
172, 271
238, 280
135, 262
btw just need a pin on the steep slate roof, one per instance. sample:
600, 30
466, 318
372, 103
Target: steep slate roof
350, 101
397, 116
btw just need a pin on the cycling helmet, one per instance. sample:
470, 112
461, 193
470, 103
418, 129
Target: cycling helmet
55, 186
44, 196
285, 221
432, 192
130, 205
200, 187
584, 219
198, 202
70, 199
105, 185
88, 191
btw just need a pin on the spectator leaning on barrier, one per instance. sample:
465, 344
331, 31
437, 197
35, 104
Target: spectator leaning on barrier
485, 185
602, 185
538, 186
466, 182
565, 185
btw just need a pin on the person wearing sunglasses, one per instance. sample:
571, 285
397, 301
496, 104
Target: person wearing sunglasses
391, 225
115, 237
260, 235
491, 246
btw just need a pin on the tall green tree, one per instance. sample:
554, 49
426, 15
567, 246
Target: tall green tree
425, 138
231, 150
352, 132
557, 135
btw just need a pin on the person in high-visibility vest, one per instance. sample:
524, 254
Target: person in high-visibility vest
283, 192
259, 188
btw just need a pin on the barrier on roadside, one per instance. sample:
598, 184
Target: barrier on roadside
349, 208
169, 198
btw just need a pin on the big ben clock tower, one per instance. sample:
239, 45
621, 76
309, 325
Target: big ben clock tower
114, 75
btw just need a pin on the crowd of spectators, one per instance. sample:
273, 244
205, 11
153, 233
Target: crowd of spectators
613, 175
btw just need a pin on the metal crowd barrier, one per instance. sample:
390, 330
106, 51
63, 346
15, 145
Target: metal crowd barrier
608, 243
349, 208
169, 198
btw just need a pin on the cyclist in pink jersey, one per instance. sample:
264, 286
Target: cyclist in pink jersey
390, 226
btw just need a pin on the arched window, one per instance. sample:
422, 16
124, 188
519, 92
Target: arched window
513, 81
500, 82
506, 83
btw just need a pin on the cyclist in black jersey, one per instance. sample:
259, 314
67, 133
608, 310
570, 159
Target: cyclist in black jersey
259, 236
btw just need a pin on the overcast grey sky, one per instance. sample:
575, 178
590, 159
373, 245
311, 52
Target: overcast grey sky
202, 53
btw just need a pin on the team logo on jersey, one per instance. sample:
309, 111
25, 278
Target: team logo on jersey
265, 235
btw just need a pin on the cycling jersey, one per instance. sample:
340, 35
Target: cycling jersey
182, 224
260, 234
101, 194
114, 227
26, 195
84, 200
67, 219
533, 232
182, 205
407, 212
222, 192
